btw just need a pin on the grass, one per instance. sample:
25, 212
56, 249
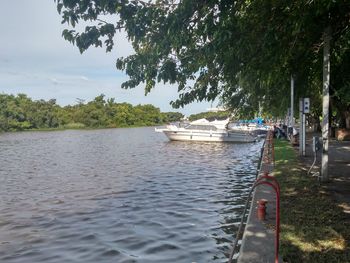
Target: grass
313, 227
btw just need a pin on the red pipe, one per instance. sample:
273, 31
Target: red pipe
267, 176
274, 184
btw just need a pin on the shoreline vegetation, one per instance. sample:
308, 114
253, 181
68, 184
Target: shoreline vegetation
65, 128
313, 226
21, 113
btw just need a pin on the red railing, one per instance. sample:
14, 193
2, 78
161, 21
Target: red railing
274, 184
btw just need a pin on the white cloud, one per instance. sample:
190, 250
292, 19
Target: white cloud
84, 78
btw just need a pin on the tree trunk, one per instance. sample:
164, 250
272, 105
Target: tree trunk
344, 118
325, 104
347, 119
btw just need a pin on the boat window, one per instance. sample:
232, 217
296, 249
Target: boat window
201, 127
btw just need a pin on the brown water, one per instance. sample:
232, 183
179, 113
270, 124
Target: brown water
120, 195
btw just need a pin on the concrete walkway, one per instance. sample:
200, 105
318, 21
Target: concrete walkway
258, 242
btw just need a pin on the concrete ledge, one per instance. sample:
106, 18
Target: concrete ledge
258, 242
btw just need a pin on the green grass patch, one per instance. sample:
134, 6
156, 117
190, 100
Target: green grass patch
313, 227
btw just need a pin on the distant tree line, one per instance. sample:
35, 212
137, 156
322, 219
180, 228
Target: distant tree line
19, 112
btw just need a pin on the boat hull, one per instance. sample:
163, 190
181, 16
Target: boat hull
209, 137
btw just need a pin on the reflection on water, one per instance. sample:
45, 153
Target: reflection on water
120, 195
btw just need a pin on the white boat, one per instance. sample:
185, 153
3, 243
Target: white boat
258, 130
206, 131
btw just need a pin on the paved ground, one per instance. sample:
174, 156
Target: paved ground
339, 169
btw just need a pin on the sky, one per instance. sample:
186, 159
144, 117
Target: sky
37, 61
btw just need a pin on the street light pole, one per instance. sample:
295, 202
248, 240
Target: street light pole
325, 104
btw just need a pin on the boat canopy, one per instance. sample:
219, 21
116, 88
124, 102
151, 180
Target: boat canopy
218, 124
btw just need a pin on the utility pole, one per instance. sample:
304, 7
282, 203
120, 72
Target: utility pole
301, 126
304, 107
325, 104
291, 101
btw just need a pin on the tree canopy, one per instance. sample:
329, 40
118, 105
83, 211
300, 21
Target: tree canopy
22, 113
243, 52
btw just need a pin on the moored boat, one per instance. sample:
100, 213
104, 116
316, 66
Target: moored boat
207, 131
258, 130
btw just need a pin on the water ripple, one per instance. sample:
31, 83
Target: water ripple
120, 195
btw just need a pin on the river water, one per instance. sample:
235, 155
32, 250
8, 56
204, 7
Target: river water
120, 195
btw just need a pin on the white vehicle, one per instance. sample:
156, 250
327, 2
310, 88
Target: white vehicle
207, 131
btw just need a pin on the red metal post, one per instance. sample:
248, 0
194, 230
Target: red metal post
262, 209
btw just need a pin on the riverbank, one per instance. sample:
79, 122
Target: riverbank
314, 227
64, 128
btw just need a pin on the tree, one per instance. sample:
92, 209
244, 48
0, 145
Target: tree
241, 51
220, 115
172, 116
22, 113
